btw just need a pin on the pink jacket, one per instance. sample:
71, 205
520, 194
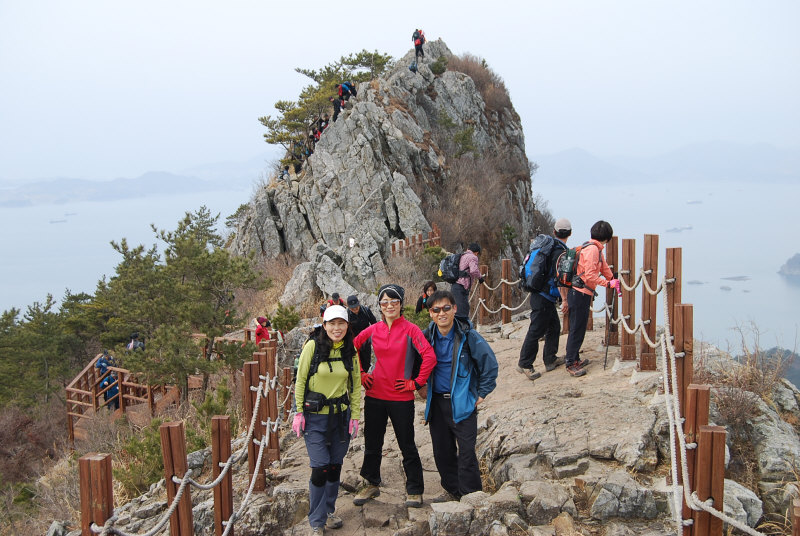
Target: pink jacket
591, 265
469, 263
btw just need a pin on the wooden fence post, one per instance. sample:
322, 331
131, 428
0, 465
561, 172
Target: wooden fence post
673, 290
796, 517
97, 494
251, 380
628, 274
710, 478
505, 314
220, 454
697, 403
647, 359
483, 294
612, 258
286, 393
272, 450
173, 450
684, 343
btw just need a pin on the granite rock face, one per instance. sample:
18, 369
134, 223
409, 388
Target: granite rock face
361, 188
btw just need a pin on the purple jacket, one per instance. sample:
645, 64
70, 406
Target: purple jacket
469, 263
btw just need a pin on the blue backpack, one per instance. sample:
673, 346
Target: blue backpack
535, 270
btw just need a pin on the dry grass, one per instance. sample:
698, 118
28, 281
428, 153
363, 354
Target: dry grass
264, 302
489, 83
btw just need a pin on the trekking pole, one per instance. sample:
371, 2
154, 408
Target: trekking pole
608, 332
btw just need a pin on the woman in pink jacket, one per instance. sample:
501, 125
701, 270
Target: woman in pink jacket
592, 271
390, 384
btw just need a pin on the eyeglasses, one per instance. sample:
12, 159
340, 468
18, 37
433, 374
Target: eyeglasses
387, 303
443, 308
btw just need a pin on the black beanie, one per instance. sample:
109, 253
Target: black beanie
391, 291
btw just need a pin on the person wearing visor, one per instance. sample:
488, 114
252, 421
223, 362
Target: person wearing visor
390, 383
328, 398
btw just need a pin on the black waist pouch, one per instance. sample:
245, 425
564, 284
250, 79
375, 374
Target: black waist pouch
314, 402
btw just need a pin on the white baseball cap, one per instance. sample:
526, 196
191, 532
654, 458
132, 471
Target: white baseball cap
335, 311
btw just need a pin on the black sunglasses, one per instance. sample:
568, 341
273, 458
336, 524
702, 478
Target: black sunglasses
437, 310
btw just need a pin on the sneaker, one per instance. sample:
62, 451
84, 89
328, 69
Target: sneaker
334, 522
529, 372
575, 370
367, 492
446, 496
414, 501
583, 362
555, 364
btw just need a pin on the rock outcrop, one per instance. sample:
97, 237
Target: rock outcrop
361, 188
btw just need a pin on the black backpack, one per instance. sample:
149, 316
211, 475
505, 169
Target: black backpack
449, 270
535, 270
317, 359
415, 35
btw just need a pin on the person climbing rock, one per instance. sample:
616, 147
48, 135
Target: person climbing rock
418, 37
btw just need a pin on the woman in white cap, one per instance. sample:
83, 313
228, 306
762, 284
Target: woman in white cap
390, 385
328, 398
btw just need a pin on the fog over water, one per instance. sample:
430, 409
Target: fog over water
735, 236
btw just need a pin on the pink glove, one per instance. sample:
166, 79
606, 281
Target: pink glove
405, 385
353, 428
615, 284
299, 424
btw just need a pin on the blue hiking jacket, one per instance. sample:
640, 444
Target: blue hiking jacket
474, 370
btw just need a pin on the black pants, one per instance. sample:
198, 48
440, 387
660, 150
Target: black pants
544, 321
454, 448
401, 412
418, 52
579, 305
462, 300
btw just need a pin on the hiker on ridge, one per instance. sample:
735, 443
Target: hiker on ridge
544, 315
346, 90
418, 37
328, 399
465, 373
460, 289
390, 386
338, 104
592, 271
262, 330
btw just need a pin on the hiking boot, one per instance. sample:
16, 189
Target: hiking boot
583, 362
575, 370
557, 362
445, 496
529, 372
334, 522
316, 531
414, 501
367, 492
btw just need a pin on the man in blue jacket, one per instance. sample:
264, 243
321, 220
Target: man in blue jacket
465, 373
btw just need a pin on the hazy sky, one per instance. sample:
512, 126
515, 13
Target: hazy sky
100, 89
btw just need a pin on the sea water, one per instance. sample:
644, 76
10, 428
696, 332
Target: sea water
734, 237
51, 248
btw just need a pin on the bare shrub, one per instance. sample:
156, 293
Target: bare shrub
278, 272
489, 83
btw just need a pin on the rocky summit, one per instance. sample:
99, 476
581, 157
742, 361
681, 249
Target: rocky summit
362, 187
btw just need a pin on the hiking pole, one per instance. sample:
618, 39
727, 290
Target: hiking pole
608, 331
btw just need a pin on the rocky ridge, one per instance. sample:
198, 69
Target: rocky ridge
361, 188
561, 456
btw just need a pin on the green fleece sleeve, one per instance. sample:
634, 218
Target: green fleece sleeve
302, 373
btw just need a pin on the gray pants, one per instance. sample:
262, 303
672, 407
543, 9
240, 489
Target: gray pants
322, 498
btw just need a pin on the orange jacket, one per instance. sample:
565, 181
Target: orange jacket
591, 265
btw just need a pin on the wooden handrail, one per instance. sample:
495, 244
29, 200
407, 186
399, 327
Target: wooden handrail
85, 371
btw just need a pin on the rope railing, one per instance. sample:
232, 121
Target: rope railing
266, 383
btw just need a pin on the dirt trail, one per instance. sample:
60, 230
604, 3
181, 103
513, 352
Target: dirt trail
387, 514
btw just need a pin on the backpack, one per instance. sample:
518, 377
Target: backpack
567, 264
413, 66
535, 270
416, 36
449, 270
317, 359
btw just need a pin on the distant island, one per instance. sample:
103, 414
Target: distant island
792, 267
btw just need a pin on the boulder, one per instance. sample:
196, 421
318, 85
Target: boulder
621, 496
451, 518
742, 504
